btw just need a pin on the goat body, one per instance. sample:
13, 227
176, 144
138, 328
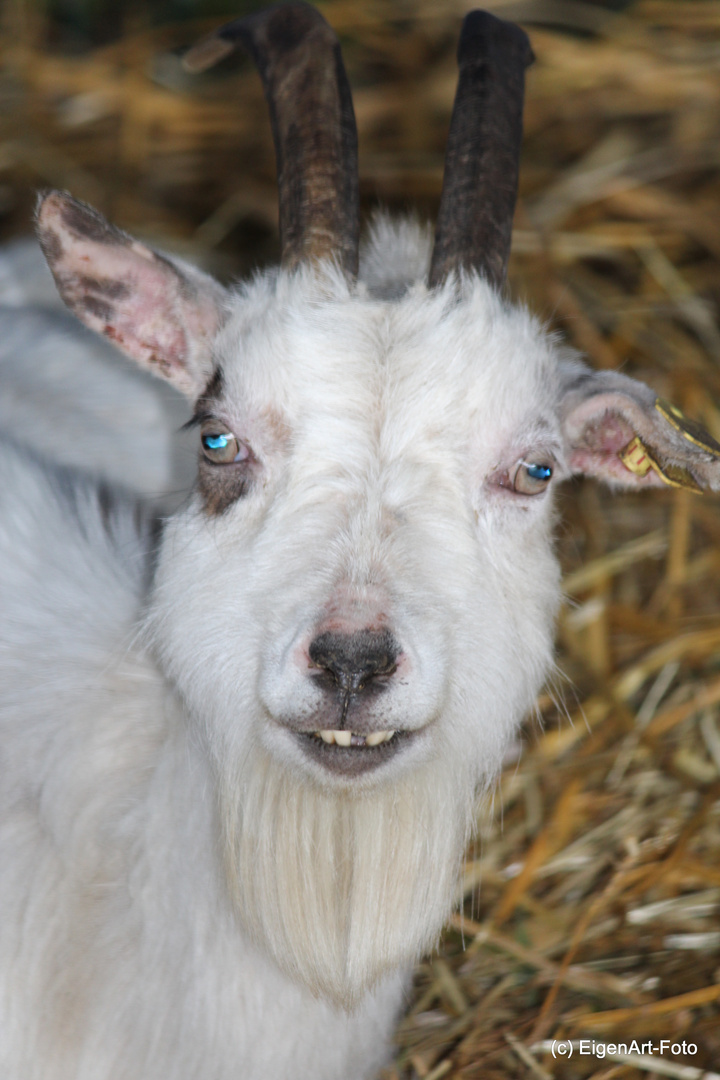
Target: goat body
242, 752
121, 952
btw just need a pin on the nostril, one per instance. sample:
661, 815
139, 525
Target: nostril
353, 660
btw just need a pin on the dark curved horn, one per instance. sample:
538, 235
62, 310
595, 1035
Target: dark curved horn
474, 225
313, 123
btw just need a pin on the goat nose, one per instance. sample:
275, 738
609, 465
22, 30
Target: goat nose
353, 660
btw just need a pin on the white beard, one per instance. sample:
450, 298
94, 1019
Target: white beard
342, 888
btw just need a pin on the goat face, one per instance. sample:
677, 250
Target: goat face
362, 562
363, 566
356, 606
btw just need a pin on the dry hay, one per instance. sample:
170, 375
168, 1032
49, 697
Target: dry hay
591, 900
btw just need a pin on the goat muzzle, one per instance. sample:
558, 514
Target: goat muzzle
353, 663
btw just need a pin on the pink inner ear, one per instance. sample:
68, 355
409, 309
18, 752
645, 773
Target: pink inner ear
603, 423
597, 430
120, 288
607, 433
130, 297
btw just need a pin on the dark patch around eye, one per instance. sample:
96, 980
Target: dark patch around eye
215, 385
196, 420
207, 404
222, 485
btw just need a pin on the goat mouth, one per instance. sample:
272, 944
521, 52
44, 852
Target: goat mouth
349, 753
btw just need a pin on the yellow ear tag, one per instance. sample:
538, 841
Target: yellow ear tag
636, 458
639, 460
689, 429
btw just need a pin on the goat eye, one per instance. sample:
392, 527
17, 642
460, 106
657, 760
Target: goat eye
532, 478
222, 448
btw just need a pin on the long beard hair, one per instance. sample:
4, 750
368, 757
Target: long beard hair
342, 888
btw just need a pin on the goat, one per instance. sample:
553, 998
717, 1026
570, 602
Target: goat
242, 750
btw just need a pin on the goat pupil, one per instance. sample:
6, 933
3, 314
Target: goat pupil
215, 442
539, 472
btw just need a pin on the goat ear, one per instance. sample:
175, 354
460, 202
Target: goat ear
162, 314
616, 429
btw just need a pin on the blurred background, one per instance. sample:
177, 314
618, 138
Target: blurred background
591, 901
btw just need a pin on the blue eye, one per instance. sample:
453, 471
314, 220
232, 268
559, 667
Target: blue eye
539, 472
532, 478
215, 442
222, 448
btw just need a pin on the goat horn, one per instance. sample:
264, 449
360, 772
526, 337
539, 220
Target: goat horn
474, 225
313, 122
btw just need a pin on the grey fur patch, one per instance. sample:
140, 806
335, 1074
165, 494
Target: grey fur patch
99, 309
393, 290
86, 223
51, 244
110, 288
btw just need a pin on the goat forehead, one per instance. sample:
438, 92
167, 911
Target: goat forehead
424, 364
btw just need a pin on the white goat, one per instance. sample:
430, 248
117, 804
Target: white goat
241, 757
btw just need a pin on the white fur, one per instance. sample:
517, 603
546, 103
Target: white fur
184, 893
